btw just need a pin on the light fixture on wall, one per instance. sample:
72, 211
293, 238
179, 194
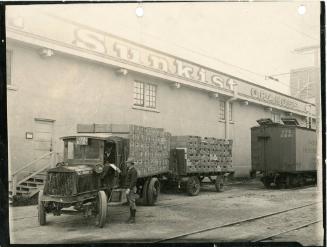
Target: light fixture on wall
122, 71
214, 95
176, 85
245, 102
268, 109
46, 52
289, 114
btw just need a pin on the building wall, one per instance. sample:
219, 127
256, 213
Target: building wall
70, 90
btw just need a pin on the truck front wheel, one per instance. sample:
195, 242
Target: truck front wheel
101, 205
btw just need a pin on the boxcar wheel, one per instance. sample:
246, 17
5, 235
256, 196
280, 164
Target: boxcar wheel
42, 217
153, 191
219, 184
193, 186
101, 205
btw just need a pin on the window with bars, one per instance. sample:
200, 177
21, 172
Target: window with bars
9, 66
145, 94
222, 111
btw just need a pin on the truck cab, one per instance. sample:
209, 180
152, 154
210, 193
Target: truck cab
93, 167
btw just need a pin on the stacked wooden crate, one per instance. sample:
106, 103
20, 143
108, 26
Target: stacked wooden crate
205, 155
150, 149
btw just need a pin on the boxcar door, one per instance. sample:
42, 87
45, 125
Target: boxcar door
258, 148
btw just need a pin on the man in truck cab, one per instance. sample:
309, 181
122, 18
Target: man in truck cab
131, 190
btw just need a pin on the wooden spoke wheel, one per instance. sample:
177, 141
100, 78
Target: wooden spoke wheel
101, 209
193, 186
219, 183
153, 191
42, 217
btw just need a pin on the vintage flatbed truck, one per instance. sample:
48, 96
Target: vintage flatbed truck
93, 170
285, 154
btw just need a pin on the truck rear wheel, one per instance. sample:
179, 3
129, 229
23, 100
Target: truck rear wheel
42, 217
219, 183
143, 199
153, 191
101, 205
193, 186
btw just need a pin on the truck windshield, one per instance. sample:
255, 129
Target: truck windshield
89, 151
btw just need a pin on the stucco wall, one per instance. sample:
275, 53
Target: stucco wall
70, 91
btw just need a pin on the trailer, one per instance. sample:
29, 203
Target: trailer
194, 158
284, 153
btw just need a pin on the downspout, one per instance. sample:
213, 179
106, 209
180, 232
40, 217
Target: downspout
227, 102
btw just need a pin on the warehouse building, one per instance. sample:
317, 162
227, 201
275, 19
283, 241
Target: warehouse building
57, 78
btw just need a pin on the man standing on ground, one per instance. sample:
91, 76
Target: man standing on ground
131, 188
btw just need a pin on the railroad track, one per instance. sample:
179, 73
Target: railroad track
183, 235
286, 231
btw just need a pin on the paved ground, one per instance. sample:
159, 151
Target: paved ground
178, 215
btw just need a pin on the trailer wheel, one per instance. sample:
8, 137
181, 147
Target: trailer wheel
153, 191
193, 186
101, 205
219, 183
42, 217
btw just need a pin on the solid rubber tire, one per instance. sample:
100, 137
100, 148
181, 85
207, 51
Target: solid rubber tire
153, 191
102, 209
191, 182
219, 183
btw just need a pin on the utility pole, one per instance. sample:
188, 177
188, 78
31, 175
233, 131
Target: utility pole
316, 52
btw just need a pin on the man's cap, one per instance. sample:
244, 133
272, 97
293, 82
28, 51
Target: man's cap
130, 160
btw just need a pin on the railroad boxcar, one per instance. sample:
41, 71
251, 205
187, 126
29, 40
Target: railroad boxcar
284, 153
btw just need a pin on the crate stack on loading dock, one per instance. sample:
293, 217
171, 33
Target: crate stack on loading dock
206, 154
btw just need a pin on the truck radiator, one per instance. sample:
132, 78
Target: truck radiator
87, 183
60, 183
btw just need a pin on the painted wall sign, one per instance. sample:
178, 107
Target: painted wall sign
85, 41
108, 45
274, 99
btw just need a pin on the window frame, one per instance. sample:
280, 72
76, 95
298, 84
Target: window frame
146, 97
222, 111
273, 116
